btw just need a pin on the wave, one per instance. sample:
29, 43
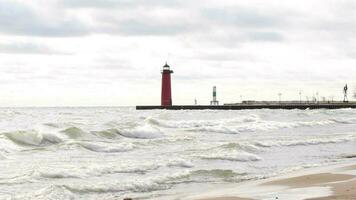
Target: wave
240, 125
180, 163
225, 174
76, 136
106, 147
258, 146
2, 157
25, 137
74, 132
233, 155
138, 167
142, 132
161, 182
32, 138
307, 141
200, 123
57, 174
260, 126
108, 133
53, 125
50, 192
149, 184
113, 168
245, 146
349, 156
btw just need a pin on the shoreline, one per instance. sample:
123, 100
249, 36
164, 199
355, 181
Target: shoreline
321, 183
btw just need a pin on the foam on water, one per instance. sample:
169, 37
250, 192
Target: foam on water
233, 155
143, 132
106, 147
307, 140
50, 192
144, 185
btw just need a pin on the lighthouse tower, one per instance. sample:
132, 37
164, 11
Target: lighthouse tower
166, 98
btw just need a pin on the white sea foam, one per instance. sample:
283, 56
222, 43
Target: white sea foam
180, 163
146, 185
186, 124
258, 126
307, 141
106, 147
142, 132
233, 155
50, 192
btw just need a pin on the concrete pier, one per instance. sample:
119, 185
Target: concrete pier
302, 106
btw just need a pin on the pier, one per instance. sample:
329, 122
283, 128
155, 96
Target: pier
242, 106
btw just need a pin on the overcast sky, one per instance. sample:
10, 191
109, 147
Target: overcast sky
110, 52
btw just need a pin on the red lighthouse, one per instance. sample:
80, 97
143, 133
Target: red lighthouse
166, 98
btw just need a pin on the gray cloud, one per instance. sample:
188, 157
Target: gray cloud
99, 4
265, 36
19, 19
127, 19
28, 48
135, 27
243, 17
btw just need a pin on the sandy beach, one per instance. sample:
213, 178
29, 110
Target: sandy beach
337, 182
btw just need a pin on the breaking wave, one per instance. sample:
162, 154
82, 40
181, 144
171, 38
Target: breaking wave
161, 182
114, 168
307, 141
74, 132
87, 140
108, 147
240, 125
259, 126
234, 155
142, 132
186, 124
32, 137
50, 192
146, 185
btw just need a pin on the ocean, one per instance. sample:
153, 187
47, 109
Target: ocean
117, 152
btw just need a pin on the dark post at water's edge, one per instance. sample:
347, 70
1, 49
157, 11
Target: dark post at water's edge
166, 101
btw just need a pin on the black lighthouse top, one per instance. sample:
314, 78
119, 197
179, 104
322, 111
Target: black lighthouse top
166, 68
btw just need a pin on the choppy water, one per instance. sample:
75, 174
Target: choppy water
110, 153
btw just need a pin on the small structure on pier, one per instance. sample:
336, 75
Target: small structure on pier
345, 94
214, 102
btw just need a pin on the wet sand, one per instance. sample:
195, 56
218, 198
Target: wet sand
344, 190
341, 181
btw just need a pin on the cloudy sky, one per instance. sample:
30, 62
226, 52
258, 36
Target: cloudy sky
110, 52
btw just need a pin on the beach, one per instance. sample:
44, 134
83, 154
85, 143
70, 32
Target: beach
336, 182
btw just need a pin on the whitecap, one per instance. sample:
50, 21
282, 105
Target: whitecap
233, 155
107, 147
142, 132
30, 137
